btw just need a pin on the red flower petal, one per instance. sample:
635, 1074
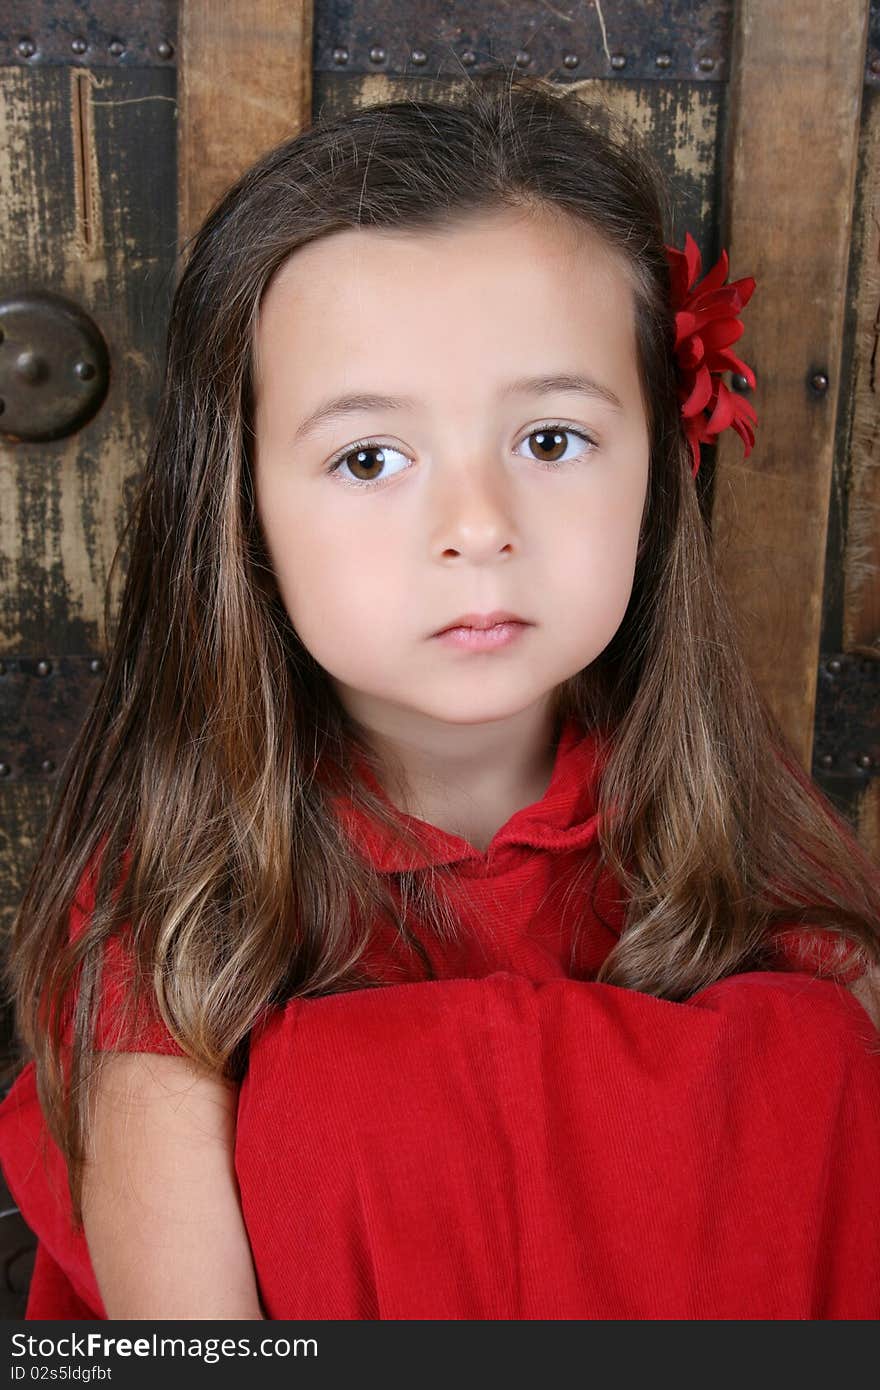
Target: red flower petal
745, 410
690, 354
745, 288
725, 299
678, 275
700, 396
685, 325
716, 276
746, 434
721, 334
711, 310
693, 258
694, 445
724, 413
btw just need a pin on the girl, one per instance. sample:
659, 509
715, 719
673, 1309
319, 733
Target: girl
433, 921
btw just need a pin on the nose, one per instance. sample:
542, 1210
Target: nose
472, 508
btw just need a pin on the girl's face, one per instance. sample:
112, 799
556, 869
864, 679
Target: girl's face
463, 500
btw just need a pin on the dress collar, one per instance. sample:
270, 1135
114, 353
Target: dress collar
564, 818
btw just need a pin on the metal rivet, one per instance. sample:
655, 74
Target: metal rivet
78, 45
165, 49
85, 370
819, 382
570, 60
618, 60
523, 58
469, 57
864, 760
31, 367
340, 55
419, 56
116, 47
5, 769
739, 382
875, 65
706, 63
377, 54
25, 48
827, 760
96, 664
43, 667
835, 666
47, 765
663, 60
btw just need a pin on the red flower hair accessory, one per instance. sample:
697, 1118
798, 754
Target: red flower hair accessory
706, 324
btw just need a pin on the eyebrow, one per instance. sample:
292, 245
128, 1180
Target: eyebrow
340, 406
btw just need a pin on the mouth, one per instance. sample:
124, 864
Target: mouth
481, 622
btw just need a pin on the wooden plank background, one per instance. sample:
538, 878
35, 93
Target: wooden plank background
223, 70
852, 582
92, 218
87, 210
796, 88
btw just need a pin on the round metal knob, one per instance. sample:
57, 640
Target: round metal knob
54, 367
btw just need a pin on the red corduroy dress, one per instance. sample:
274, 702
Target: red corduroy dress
513, 1140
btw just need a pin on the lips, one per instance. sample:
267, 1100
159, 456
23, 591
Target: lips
483, 620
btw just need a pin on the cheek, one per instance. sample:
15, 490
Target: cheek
336, 579
593, 567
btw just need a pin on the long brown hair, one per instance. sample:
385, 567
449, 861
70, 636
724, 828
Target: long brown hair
215, 739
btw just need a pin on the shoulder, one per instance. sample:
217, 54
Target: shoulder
820, 1020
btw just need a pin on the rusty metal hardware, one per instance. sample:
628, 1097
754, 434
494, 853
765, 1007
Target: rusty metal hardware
659, 39
54, 367
655, 40
102, 33
43, 702
818, 381
846, 745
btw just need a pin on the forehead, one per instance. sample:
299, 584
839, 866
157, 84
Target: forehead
488, 293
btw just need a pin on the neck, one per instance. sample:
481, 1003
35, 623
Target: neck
472, 784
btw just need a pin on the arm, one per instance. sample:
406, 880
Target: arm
161, 1209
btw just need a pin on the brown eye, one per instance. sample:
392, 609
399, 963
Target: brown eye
366, 463
552, 442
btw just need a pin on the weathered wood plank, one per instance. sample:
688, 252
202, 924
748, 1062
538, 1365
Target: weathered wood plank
796, 88
25, 811
861, 625
860, 485
87, 161
87, 211
245, 85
